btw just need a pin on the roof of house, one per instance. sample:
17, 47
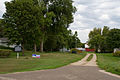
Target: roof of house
2, 40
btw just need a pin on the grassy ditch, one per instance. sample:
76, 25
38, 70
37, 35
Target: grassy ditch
109, 62
90, 57
47, 61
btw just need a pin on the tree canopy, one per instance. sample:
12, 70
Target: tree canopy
104, 40
113, 39
40, 22
1, 29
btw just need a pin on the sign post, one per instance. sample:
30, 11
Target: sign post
17, 55
18, 49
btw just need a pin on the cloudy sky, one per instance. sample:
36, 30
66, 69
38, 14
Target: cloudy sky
90, 14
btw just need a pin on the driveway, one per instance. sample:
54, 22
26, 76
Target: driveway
81, 70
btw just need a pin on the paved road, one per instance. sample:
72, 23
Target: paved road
81, 70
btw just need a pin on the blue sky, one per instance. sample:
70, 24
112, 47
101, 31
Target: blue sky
90, 14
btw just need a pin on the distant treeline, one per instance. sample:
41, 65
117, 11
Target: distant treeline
104, 40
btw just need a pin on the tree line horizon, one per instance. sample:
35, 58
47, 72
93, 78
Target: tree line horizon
104, 40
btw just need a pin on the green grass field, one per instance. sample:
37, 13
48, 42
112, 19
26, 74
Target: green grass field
109, 63
90, 57
27, 63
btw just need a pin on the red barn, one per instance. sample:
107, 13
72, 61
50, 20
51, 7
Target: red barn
89, 50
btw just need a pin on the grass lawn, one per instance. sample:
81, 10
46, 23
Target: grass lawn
27, 63
90, 57
109, 63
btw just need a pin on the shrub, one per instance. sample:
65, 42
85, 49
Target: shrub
117, 53
5, 53
76, 51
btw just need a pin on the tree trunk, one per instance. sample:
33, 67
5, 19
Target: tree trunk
41, 46
23, 49
35, 48
96, 50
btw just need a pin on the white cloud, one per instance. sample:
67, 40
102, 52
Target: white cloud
2, 7
108, 4
113, 22
81, 8
83, 34
104, 17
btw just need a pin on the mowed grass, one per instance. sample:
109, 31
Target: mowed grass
47, 61
90, 57
109, 63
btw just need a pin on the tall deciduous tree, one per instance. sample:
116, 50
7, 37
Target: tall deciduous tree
1, 29
20, 21
106, 40
95, 38
104, 46
62, 10
113, 39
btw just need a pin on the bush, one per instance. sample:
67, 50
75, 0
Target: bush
76, 51
5, 53
117, 53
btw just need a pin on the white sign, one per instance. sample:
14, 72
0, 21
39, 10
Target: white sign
18, 48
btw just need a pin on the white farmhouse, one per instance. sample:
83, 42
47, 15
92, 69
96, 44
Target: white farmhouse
4, 42
86, 45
